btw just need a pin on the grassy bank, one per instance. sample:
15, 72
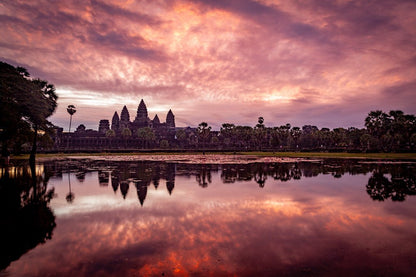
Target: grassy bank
402, 156
342, 155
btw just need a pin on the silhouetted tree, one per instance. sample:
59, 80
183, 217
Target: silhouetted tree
126, 134
25, 104
181, 136
203, 133
146, 135
259, 133
71, 110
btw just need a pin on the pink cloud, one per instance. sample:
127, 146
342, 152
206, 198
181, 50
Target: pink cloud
300, 60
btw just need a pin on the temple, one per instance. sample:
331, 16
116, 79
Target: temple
142, 120
123, 133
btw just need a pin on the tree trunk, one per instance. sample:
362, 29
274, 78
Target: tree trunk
34, 145
5, 154
203, 146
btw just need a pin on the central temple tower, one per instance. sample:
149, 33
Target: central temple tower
141, 111
142, 119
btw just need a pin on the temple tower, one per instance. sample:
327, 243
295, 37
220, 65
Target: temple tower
124, 118
115, 122
156, 121
104, 126
141, 112
170, 120
142, 119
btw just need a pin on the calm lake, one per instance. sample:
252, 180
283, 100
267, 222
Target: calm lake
199, 216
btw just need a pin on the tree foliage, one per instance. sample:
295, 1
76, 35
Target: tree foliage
25, 105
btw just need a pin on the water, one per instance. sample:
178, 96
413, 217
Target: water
193, 217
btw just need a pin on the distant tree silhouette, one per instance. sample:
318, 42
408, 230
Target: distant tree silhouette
146, 135
71, 110
203, 133
164, 144
181, 136
259, 133
110, 134
126, 134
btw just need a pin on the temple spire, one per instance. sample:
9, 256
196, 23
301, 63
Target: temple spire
170, 119
125, 116
156, 120
115, 122
141, 111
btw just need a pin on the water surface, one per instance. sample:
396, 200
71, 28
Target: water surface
136, 218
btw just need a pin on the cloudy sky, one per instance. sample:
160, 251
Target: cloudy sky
324, 62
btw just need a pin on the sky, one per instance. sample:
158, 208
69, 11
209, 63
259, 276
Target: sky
325, 62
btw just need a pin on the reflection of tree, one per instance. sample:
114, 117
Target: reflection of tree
70, 196
145, 173
296, 172
26, 219
229, 174
282, 172
401, 184
260, 174
204, 176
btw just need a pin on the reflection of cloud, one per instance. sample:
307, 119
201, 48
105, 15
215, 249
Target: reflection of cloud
242, 237
223, 57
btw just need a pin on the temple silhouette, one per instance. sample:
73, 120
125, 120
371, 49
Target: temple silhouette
123, 133
142, 120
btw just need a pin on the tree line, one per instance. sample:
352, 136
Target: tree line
394, 131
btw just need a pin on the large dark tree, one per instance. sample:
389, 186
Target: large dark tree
25, 104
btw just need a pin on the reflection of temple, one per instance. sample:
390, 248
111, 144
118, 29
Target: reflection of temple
170, 177
142, 174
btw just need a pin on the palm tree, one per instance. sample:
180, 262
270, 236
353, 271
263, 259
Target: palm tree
126, 133
146, 135
71, 110
110, 134
259, 132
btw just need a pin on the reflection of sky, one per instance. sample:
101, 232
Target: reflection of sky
320, 225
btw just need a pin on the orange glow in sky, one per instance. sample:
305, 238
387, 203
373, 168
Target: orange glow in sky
299, 62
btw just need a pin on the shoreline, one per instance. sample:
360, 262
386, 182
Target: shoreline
323, 155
